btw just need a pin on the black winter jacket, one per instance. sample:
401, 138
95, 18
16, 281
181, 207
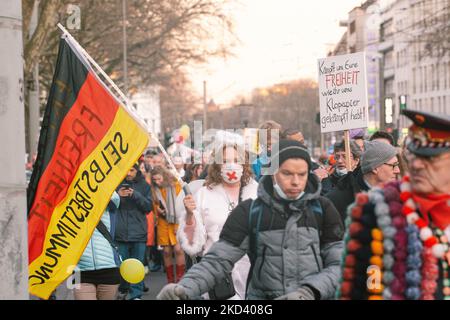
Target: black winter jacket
131, 219
291, 252
328, 184
345, 191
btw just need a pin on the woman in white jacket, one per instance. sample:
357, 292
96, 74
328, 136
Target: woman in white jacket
207, 210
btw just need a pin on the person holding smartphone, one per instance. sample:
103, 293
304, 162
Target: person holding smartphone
131, 230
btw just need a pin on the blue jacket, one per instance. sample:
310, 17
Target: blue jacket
98, 253
261, 161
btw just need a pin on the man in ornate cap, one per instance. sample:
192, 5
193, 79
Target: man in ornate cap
428, 156
426, 198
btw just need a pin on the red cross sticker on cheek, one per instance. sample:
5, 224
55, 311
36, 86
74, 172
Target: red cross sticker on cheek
232, 175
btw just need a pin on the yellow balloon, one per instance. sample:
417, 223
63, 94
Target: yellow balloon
185, 131
132, 270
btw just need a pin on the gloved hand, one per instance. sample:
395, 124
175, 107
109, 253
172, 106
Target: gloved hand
303, 293
172, 291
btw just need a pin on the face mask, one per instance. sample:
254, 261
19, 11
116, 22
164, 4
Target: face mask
231, 172
341, 172
283, 195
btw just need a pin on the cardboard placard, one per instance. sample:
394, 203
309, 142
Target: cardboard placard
343, 92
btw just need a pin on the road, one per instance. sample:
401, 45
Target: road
154, 281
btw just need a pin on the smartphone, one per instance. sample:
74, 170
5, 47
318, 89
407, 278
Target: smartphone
161, 206
125, 185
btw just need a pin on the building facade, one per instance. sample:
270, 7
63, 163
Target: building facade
147, 104
413, 67
407, 62
362, 34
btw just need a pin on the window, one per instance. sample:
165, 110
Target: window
421, 79
389, 59
425, 78
352, 26
446, 72
389, 87
386, 29
445, 77
414, 80
438, 78
432, 78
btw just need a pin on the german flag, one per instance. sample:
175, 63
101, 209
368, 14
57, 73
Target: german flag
87, 143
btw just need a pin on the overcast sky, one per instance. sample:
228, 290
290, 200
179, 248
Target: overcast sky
281, 40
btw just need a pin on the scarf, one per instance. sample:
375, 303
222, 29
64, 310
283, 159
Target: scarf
169, 204
434, 207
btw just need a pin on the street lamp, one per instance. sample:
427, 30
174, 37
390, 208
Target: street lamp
124, 31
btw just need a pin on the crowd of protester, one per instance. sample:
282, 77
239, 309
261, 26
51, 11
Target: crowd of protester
268, 236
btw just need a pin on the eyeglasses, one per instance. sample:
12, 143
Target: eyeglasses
337, 157
393, 165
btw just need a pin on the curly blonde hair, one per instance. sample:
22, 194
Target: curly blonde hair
214, 170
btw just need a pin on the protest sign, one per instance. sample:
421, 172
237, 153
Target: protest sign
343, 92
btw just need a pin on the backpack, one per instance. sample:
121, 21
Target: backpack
254, 223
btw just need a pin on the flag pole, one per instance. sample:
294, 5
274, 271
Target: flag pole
124, 98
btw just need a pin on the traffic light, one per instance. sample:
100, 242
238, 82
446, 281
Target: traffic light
402, 102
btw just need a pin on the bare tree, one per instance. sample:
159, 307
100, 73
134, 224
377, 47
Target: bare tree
178, 103
162, 36
435, 32
429, 28
293, 104
35, 44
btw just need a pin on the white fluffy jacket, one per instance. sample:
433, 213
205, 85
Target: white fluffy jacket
210, 216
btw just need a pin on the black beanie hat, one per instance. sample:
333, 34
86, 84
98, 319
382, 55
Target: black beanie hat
288, 149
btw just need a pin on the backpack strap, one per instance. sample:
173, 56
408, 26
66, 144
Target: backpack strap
315, 207
254, 222
107, 235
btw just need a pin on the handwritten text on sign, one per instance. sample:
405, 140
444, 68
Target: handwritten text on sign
343, 92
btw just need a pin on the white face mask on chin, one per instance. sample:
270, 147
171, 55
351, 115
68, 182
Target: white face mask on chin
341, 172
282, 194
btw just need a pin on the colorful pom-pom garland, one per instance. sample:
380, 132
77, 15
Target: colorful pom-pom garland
403, 247
409, 210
